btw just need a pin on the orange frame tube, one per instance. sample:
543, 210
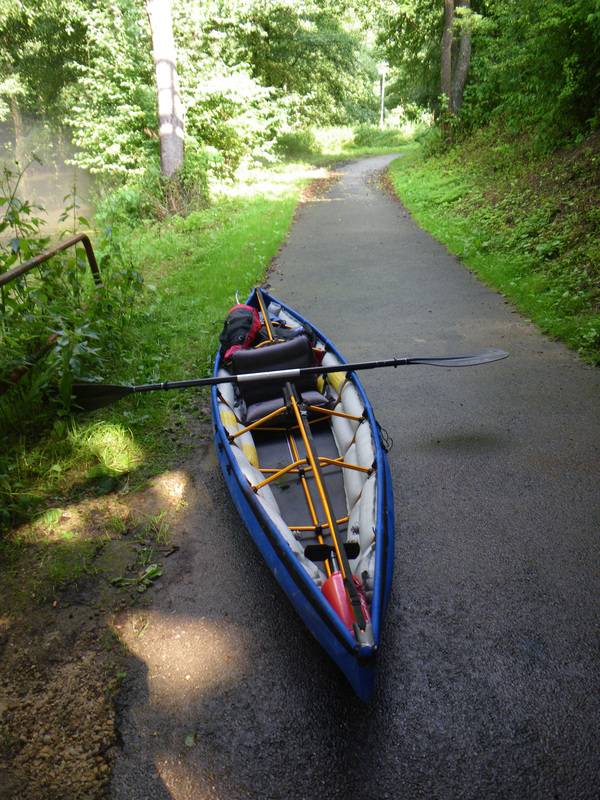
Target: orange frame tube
258, 422
333, 413
309, 501
279, 473
265, 315
311, 460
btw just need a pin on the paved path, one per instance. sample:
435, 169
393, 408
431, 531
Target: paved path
488, 682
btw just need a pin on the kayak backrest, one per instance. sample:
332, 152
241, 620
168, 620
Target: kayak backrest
291, 354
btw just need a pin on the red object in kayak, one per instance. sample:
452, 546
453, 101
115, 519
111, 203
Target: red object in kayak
336, 594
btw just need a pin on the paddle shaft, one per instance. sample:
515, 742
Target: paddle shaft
96, 395
292, 374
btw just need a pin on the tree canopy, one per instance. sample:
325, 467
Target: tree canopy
535, 64
248, 71
251, 71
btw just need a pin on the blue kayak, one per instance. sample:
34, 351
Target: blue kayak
307, 471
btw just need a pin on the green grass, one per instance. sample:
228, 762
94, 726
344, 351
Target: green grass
527, 225
339, 144
192, 269
330, 145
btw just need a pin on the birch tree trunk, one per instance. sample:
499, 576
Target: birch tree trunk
170, 110
19, 151
446, 57
17, 121
463, 60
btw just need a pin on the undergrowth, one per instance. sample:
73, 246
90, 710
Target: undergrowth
528, 224
192, 269
322, 146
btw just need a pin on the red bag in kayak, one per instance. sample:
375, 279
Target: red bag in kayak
240, 330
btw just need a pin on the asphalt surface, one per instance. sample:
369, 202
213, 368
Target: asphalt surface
488, 683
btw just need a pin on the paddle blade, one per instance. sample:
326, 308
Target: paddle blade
321, 552
89, 396
485, 357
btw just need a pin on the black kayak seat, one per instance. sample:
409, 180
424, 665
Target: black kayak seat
263, 397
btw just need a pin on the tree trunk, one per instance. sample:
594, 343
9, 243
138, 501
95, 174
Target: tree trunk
462, 63
17, 120
19, 151
170, 111
446, 57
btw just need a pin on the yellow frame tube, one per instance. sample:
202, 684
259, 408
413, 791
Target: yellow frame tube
315, 468
258, 422
272, 429
339, 521
339, 463
278, 474
265, 316
309, 500
333, 413
324, 462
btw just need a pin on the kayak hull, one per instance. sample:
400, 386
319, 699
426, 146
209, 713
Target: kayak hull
357, 662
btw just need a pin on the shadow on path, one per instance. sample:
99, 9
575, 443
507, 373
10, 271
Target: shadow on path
489, 672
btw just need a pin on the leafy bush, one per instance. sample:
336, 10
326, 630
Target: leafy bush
150, 196
296, 144
535, 68
372, 136
112, 105
56, 324
432, 141
236, 117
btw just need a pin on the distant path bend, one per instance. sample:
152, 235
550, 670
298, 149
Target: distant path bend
489, 669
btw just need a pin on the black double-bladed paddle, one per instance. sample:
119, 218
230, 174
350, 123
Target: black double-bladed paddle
89, 396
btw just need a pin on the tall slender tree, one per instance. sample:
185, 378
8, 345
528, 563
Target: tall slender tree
463, 57
170, 108
455, 60
446, 53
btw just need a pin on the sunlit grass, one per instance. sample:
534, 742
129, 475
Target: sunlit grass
193, 268
342, 142
111, 445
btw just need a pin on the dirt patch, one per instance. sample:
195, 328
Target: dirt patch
318, 187
58, 722
62, 656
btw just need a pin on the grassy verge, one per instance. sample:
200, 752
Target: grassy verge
527, 224
327, 146
192, 269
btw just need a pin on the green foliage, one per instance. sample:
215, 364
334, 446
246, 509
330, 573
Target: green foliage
150, 196
372, 136
249, 73
113, 100
526, 223
38, 53
410, 35
535, 65
431, 141
234, 116
303, 50
56, 324
297, 144
193, 267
